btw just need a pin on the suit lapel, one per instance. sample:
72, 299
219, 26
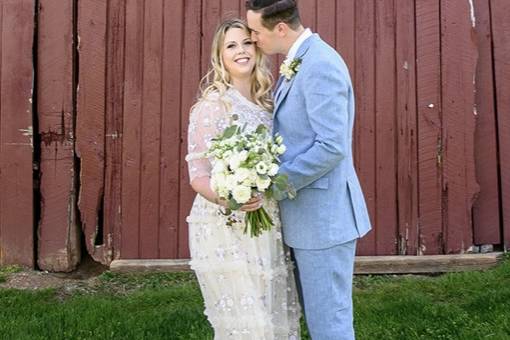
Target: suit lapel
277, 88
282, 92
284, 85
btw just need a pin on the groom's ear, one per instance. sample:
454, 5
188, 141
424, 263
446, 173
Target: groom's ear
281, 29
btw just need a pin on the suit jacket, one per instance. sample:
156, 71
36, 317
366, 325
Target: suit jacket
314, 113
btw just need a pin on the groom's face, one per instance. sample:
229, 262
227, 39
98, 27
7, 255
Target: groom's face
267, 40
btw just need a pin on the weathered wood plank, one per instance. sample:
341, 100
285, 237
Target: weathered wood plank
16, 133
170, 125
90, 125
230, 9
428, 71
114, 120
345, 37
308, 12
362, 264
500, 12
242, 9
406, 125
326, 21
424, 264
151, 130
364, 143
191, 70
211, 15
458, 57
486, 214
131, 143
58, 231
385, 136
154, 265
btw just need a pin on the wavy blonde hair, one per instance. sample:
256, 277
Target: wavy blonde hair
218, 80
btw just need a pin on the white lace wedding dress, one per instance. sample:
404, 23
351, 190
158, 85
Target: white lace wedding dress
247, 283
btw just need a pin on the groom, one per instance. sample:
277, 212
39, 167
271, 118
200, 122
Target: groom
314, 112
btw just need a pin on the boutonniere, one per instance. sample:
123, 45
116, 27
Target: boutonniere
290, 70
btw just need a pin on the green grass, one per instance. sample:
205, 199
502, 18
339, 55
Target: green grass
6, 270
474, 305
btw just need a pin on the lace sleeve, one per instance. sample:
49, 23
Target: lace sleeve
207, 119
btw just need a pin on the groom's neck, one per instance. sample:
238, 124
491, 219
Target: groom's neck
291, 38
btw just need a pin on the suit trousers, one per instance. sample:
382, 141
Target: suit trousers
325, 285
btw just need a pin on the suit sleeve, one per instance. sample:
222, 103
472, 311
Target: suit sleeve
326, 94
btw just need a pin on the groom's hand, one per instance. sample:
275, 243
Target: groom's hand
253, 204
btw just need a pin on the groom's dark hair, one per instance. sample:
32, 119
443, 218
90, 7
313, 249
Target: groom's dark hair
276, 11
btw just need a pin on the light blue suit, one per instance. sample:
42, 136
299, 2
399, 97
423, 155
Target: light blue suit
314, 113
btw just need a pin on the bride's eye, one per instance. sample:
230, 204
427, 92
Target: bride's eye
248, 42
231, 45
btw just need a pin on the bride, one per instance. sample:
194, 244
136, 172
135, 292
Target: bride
247, 283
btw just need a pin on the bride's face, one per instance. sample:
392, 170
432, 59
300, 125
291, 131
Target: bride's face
238, 53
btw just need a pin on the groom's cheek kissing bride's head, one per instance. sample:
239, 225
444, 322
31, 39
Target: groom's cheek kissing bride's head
273, 24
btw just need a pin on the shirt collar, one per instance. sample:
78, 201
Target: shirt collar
295, 47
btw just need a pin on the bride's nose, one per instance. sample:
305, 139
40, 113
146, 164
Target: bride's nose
241, 49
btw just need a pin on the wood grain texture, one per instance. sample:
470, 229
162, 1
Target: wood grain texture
173, 19
58, 231
115, 40
486, 214
191, 77
90, 125
151, 130
132, 130
365, 131
385, 125
459, 56
500, 14
345, 32
424, 264
406, 127
16, 133
430, 162
362, 264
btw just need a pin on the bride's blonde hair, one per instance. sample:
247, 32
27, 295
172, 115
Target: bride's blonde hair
218, 80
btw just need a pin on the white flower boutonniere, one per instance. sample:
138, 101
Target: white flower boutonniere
290, 70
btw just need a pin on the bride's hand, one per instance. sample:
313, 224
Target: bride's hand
253, 204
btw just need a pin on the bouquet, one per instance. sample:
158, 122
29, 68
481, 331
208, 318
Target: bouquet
245, 165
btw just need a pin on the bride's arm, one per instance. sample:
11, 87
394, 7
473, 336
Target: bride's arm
205, 123
202, 186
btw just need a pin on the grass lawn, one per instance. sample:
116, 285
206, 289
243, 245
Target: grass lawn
474, 305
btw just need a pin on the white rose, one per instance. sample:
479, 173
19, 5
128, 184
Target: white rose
230, 182
234, 162
273, 169
241, 194
219, 167
241, 174
281, 149
279, 139
261, 168
243, 155
227, 154
219, 185
223, 192
263, 184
